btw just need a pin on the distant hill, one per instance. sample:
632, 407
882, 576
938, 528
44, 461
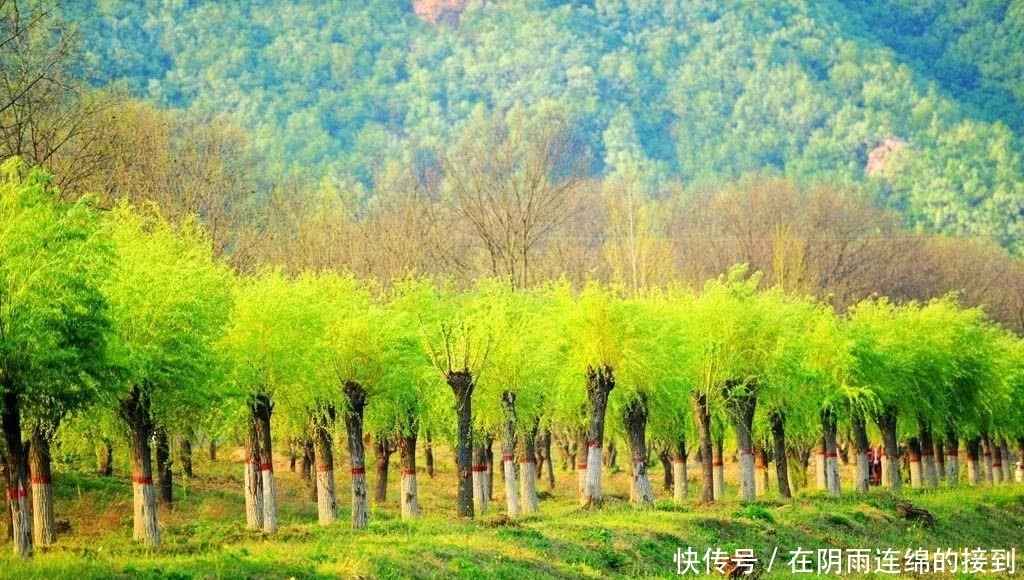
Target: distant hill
698, 91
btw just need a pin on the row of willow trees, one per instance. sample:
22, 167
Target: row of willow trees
116, 320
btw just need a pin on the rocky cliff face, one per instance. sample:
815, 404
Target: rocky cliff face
434, 11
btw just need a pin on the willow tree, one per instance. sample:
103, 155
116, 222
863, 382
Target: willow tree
523, 368
169, 300
53, 322
272, 351
458, 342
594, 333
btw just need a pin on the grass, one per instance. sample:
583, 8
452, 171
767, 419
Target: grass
204, 535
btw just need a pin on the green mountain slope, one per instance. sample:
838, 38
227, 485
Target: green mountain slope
692, 90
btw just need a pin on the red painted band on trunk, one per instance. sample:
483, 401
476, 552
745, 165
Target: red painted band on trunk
581, 466
678, 461
819, 452
17, 493
927, 454
972, 457
324, 468
987, 454
408, 471
717, 464
479, 468
831, 455
358, 471
142, 479
40, 480
746, 452
997, 464
508, 457
594, 444
266, 467
952, 453
527, 460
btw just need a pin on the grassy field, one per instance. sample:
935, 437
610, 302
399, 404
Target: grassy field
204, 534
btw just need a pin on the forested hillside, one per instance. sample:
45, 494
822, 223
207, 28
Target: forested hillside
681, 91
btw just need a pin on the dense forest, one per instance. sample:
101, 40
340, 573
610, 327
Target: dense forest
685, 91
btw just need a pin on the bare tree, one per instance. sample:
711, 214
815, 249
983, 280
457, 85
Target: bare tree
47, 116
513, 185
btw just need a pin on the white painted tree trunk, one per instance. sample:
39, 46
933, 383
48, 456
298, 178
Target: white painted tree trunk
269, 498
511, 488
952, 466
326, 498
144, 499
360, 501
747, 477
931, 474
528, 487
253, 496
480, 488
718, 472
594, 464
680, 482
916, 473
832, 474
819, 470
410, 495
640, 492
973, 470
43, 533
21, 522
863, 473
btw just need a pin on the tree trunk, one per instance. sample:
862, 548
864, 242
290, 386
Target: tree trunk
860, 441
356, 398
973, 468
489, 465
718, 462
213, 450
931, 477
997, 461
164, 476
914, 453
700, 408
508, 448
581, 466
828, 430
407, 458
680, 479
185, 452
262, 409
886, 421
1007, 459
952, 457
428, 455
939, 454
546, 439
322, 425
461, 383
741, 404
1020, 460
136, 413
307, 467
293, 453
600, 382
253, 487
611, 458
667, 474
778, 426
635, 422
17, 470
43, 533
761, 470
480, 477
986, 452
105, 458
528, 471
383, 449
6, 483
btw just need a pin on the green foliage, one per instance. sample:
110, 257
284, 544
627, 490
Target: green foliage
169, 300
54, 257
